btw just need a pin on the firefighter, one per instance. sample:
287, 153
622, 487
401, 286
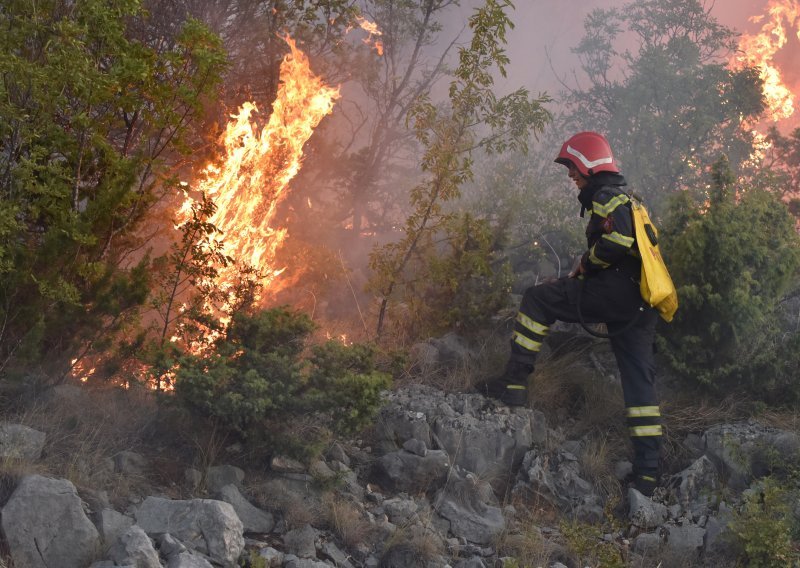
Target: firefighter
606, 281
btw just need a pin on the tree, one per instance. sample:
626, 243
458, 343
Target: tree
449, 135
671, 103
732, 260
391, 83
88, 117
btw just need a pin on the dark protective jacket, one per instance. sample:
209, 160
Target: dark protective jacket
610, 235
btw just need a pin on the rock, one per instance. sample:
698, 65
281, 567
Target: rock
474, 562
470, 508
319, 470
417, 447
647, 544
400, 510
622, 469
336, 556
254, 520
337, 453
292, 561
272, 557
188, 560
685, 542
409, 472
169, 546
695, 486
112, 525
436, 354
193, 478
130, 463
556, 478
747, 450
134, 548
301, 542
208, 526
491, 446
20, 442
219, 476
282, 464
645, 513
44, 525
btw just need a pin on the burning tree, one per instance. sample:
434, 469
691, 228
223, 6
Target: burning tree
671, 105
89, 117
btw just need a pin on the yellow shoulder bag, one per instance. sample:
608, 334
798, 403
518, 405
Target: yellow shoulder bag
656, 285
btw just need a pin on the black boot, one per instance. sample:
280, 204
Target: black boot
646, 464
511, 387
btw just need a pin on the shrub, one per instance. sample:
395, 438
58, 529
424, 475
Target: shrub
732, 259
763, 526
255, 378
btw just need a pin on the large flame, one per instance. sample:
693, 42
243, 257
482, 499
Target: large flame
760, 49
257, 166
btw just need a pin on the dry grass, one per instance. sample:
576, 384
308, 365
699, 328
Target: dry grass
684, 415
346, 520
597, 459
416, 544
85, 432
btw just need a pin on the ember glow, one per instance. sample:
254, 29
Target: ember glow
781, 19
257, 166
372, 29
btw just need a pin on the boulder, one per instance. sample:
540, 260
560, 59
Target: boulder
208, 526
404, 471
555, 476
490, 445
254, 520
439, 353
684, 543
112, 525
272, 557
20, 442
301, 542
188, 560
695, 487
744, 451
134, 548
44, 525
169, 546
645, 513
219, 476
471, 508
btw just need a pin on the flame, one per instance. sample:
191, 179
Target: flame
251, 180
372, 29
759, 50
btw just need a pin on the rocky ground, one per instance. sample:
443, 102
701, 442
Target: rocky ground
443, 480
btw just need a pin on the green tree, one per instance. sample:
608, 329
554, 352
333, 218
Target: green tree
88, 118
449, 134
732, 259
670, 104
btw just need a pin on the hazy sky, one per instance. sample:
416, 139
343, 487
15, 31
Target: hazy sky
556, 26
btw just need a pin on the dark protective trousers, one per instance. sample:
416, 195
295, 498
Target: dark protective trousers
613, 298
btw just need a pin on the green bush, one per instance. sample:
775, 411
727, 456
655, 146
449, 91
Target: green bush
257, 377
763, 527
732, 258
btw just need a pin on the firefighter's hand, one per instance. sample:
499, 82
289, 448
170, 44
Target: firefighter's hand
577, 268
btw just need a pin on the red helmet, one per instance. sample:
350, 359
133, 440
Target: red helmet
590, 152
